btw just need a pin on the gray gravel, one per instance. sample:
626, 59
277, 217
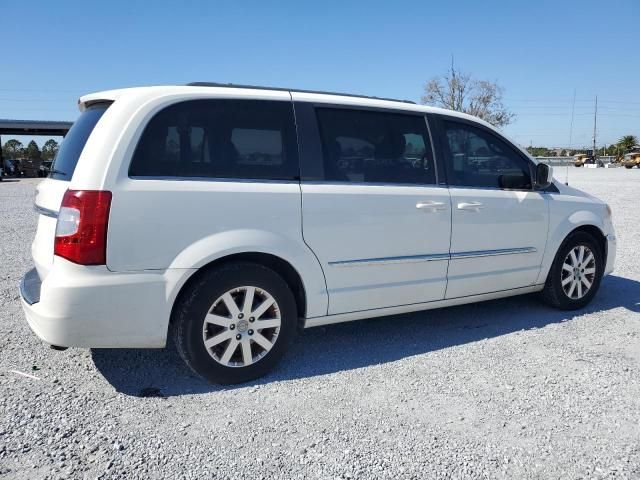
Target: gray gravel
503, 389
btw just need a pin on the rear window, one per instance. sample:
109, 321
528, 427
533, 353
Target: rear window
67, 158
229, 139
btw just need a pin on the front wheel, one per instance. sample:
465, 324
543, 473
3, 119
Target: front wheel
235, 322
575, 274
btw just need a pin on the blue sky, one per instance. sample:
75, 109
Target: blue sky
539, 51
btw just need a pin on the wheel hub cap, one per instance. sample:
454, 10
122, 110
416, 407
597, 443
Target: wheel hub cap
243, 326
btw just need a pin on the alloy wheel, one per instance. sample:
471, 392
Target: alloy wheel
241, 326
578, 272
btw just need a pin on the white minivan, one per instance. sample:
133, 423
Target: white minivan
232, 216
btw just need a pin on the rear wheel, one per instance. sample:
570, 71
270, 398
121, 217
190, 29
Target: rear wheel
235, 322
575, 274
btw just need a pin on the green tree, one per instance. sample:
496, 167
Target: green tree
33, 151
12, 149
459, 91
49, 149
539, 151
627, 143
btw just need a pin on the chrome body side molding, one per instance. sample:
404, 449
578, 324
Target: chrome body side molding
430, 258
492, 253
389, 260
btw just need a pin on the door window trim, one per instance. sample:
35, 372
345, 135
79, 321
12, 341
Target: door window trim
443, 150
311, 154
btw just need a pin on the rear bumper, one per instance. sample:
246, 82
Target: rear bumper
79, 306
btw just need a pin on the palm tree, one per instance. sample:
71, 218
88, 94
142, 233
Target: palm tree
627, 143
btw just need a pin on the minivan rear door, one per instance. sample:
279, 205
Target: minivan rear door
373, 212
51, 190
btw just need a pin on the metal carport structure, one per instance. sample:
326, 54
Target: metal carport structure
31, 127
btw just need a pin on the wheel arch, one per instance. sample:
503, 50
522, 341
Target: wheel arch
596, 233
282, 267
558, 239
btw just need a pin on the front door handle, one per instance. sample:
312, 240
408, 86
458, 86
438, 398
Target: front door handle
470, 206
431, 206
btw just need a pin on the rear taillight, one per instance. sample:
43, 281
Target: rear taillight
81, 232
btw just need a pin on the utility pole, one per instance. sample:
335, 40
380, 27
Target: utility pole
573, 109
595, 121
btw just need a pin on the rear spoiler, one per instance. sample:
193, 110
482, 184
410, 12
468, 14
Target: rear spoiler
91, 103
107, 97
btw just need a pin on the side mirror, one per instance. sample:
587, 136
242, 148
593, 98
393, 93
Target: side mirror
544, 176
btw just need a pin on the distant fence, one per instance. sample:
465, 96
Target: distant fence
559, 161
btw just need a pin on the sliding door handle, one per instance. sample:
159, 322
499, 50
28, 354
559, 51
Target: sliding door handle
431, 206
470, 206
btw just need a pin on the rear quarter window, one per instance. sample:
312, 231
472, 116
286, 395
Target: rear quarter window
226, 139
67, 158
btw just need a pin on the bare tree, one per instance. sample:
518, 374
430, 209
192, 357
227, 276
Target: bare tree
461, 92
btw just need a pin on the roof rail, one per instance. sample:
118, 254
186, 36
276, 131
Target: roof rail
280, 89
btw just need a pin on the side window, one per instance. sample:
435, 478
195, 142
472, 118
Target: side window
477, 158
235, 139
375, 147
258, 146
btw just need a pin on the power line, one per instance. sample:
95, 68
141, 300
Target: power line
564, 101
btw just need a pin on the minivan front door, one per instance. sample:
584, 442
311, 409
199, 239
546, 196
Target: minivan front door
372, 211
499, 223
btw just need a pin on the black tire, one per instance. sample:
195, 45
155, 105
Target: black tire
193, 305
553, 294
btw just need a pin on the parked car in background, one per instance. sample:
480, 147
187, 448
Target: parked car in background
12, 168
29, 167
45, 168
233, 216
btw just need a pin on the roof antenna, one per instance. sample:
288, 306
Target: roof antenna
573, 109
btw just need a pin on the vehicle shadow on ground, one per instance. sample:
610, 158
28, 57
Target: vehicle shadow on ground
330, 349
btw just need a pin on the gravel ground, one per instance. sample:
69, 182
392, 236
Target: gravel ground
502, 389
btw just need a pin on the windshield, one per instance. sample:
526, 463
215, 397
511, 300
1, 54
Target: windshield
73, 143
